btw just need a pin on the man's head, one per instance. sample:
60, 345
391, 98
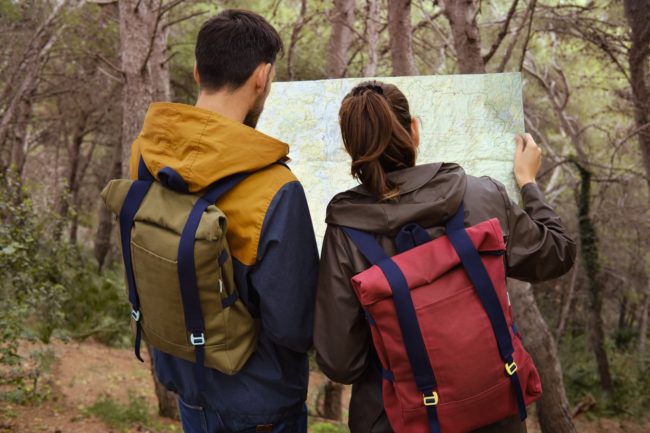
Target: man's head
235, 52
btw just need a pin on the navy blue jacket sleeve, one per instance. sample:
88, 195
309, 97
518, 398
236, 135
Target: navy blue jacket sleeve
286, 271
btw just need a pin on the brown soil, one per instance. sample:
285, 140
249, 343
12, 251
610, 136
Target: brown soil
83, 372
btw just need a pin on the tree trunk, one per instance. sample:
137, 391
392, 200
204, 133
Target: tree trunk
295, 35
638, 17
332, 400
143, 42
372, 37
167, 403
467, 38
20, 139
27, 75
643, 330
137, 20
105, 219
591, 263
401, 37
553, 406
622, 314
342, 19
568, 305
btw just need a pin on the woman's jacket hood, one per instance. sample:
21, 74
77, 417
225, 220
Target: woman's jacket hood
200, 145
429, 195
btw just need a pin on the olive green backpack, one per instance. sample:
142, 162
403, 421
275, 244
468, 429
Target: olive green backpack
179, 270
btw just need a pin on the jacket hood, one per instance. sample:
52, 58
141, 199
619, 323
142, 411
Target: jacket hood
200, 145
429, 195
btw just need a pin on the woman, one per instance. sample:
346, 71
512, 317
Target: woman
382, 138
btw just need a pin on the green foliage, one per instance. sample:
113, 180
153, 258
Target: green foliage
27, 387
325, 427
121, 416
50, 287
631, 396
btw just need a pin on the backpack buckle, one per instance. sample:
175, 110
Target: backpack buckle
135, 314
430, 400
511, 368
197, 340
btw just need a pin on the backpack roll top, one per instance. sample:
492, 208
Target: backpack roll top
443, 369
160, 267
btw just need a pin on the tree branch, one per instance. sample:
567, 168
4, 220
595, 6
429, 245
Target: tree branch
154, 33
169, 6
530, 28
185, 18
295, 35
502, 34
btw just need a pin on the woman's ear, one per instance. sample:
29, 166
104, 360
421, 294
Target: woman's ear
415, 132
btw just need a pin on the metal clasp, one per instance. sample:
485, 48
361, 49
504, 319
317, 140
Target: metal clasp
197, 340
135, 314
430, 400
511, 368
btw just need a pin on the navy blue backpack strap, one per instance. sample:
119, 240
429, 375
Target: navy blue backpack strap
406, 316
143, 172
132, 202
411, 236
478, 275
194, 322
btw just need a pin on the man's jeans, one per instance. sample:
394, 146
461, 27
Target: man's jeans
197, 419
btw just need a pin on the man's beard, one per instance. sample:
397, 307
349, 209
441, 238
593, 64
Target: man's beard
255, 112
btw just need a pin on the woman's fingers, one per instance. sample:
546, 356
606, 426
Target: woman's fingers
528, 159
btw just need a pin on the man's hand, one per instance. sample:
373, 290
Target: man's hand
528, 159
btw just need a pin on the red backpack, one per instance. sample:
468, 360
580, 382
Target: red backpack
451, 357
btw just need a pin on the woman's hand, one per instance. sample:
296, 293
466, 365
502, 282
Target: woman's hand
528, 159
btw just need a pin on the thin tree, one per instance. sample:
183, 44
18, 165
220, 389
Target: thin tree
555, 415
401, 37
24, 78
559, 93
553, 405
342, 21
295, 36
637, 13
467, 37
143, 42
372, 36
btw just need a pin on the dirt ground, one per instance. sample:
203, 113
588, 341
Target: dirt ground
84, 372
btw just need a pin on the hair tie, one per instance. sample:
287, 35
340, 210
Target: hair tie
360, 90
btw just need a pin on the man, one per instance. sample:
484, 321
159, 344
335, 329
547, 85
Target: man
269, 228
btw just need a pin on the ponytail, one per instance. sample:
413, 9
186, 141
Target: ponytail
376, 139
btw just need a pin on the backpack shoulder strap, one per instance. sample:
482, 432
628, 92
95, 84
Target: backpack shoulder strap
367, 244
425, 378
194, 322
478, 275
143, 171
132, 202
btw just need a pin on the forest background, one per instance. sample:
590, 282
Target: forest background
76, 78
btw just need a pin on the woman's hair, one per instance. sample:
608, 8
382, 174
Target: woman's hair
376, 129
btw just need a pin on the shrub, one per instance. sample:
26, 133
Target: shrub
48, 287
120, 416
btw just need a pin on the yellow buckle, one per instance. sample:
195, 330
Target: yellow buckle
431, 400
511, 368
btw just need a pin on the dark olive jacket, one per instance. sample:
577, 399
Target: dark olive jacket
538, 248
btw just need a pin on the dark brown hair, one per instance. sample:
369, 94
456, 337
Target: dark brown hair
376, 129
231, 45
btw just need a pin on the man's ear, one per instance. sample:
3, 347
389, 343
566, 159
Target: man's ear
263, 77
196, 74
415, 132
